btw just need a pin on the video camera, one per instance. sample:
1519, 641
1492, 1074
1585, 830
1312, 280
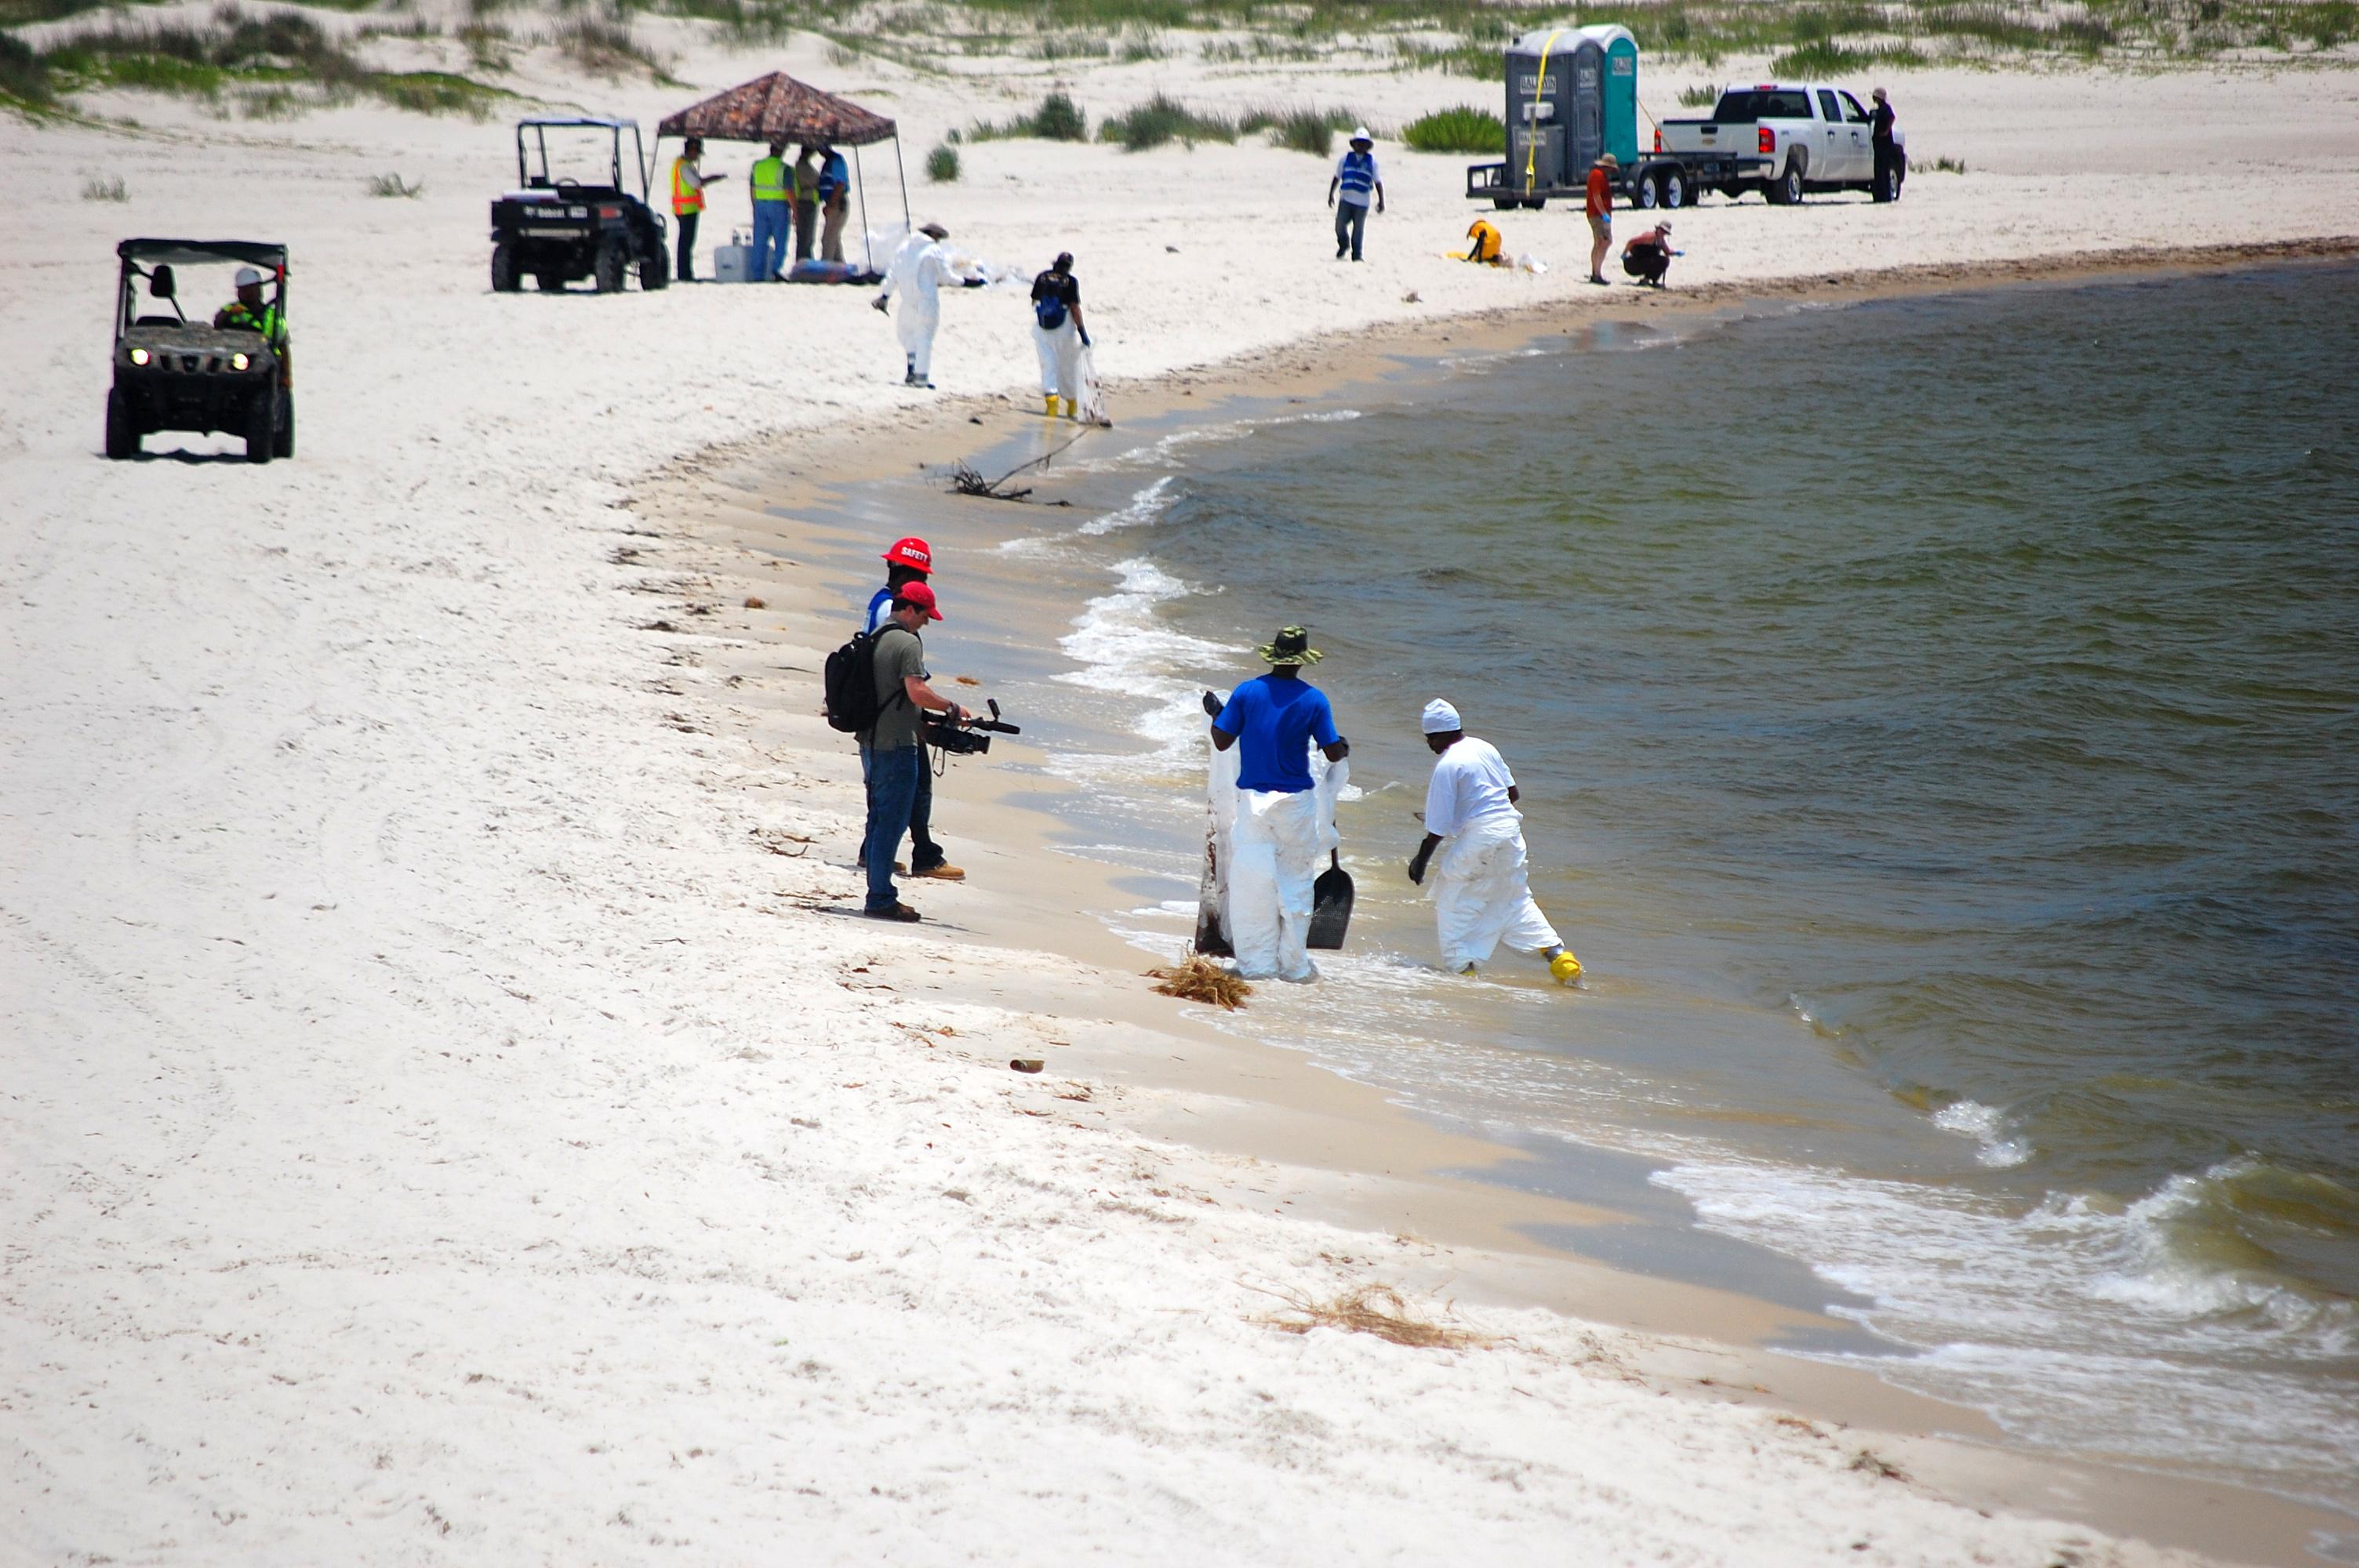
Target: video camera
960, 740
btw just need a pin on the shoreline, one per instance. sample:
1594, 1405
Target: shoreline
1342, 1151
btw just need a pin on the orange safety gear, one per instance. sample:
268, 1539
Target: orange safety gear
685, 198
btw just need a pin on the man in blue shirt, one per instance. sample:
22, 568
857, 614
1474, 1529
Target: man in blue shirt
1282, 826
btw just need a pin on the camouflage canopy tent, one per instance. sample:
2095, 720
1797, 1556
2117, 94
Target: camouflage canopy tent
777, 108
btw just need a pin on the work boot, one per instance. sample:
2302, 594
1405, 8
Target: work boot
896, 911
942, 871
1049, 398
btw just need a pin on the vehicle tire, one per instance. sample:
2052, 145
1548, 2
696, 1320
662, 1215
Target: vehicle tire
655, 268
503, 271
1535, 202
548, 281
1733, 192
261, 424
1644, 193
1502, 203
122, 427
610, 268
283, 446
1786, 190
1675, 189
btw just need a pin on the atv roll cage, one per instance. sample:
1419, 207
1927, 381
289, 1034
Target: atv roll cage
532, 153
160, 256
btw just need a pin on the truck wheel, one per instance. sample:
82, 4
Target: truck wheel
1643, 192
1675, 189
548, 281
609, 272
1535, 202
261, 424
1786, 190
655, 268
1502, 203
122, 428
504, 270
283, 445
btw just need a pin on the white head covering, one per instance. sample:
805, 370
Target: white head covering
246, 275
1440, 718
1360, 134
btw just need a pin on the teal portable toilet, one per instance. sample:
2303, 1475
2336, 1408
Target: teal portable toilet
1573, 94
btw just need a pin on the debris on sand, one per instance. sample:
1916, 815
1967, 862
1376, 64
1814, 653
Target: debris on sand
1372, 1309
1197, 978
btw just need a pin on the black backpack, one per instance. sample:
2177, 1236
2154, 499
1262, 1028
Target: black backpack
850, 680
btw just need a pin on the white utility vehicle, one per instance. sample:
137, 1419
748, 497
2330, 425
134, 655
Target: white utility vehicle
1812, 138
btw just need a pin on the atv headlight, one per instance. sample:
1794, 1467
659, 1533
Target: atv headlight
139, 356
239, 362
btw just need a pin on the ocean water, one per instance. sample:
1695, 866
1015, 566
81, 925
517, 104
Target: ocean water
1938, 721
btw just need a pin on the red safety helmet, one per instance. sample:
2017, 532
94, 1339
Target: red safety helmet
911, 552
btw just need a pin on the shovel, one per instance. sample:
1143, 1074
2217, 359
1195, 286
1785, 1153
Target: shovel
1331, 905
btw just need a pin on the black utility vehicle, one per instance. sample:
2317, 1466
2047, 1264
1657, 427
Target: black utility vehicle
559, 228
225, 371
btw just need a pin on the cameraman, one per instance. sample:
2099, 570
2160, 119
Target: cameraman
910, 560
895, 746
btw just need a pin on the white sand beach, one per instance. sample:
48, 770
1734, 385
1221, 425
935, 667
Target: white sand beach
437, 1123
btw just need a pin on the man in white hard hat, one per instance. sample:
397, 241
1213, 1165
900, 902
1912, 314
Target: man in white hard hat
1355, 181
248, 313
1481, 896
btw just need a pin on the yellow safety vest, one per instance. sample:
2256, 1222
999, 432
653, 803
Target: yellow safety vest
685, 198
770, 179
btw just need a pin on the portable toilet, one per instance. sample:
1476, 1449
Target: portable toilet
1572, 95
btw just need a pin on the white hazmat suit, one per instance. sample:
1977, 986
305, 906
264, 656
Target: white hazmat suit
916, 273
1267, 850
1479, 880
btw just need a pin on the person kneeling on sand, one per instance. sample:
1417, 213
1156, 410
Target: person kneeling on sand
1481, 896
1274, 720
1648, 257
896, 744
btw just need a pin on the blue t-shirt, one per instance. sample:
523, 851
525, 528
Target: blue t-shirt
1275, 722
880, 605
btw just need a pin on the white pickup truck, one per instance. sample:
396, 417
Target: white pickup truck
1812, 137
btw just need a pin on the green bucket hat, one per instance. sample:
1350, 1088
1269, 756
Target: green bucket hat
1290, 646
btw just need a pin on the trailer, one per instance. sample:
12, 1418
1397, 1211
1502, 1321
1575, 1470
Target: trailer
1572, 97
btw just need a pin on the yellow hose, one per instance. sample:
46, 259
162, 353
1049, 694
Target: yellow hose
1532, 136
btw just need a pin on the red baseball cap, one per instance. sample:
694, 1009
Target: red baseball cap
912, 552
922, 596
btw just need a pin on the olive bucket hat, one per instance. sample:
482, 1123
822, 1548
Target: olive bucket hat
1290, 646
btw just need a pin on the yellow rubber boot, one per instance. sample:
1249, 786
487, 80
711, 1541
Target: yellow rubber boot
1049, 398
1564, 968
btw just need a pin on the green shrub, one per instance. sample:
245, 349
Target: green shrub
942, 164
1059, 119
1702, 97
1163, 119
1302, 130
96, 189
393, 185
1464, 129
24, 75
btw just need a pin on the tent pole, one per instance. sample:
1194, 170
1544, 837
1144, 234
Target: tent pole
868, 257
904, 172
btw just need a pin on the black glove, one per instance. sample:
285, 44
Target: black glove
1416, 868
1213, 706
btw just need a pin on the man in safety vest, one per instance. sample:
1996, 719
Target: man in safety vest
770, 214
688, 201
1355, 179
248, 313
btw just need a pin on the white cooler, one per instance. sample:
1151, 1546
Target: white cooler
734, 263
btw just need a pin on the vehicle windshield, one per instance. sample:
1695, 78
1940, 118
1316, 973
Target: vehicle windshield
577, 154
1744, 105
202, 291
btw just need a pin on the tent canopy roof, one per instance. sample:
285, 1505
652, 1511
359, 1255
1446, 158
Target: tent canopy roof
777, 108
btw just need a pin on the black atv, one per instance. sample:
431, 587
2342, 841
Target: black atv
227, 372
560, 229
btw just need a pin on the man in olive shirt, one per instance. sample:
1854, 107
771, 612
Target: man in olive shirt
897, 744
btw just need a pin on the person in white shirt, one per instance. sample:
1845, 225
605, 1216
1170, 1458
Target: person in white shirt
1481, 896
919, 270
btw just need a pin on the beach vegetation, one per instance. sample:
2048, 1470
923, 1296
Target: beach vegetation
1301, 129
394, 186
1375, 1310
24, 74
608, 46
110, 188
1197, 978
942, 164
1701, 95
1163, 119
1939, 165
1056, 118
1464, 129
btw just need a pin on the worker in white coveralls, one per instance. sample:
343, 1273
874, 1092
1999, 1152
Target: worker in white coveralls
1481, 896
1060, 335
918, 272
1283, 818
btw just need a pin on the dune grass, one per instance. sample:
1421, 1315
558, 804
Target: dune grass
1301, 129
1161, 120
942, 164
1464, 129
1056, 118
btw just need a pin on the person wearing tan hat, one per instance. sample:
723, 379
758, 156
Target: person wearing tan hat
1356, 180
1648, 256
919, 269
1599, 207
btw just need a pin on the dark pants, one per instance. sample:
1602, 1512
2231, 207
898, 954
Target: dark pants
1351, 227
688, 245
924, 853
806, 229
1647, 264
892, 794
1886, 167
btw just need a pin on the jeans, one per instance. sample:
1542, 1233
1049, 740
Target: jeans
769, 241
924, 853
1351, 226
686, 245
892, 794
